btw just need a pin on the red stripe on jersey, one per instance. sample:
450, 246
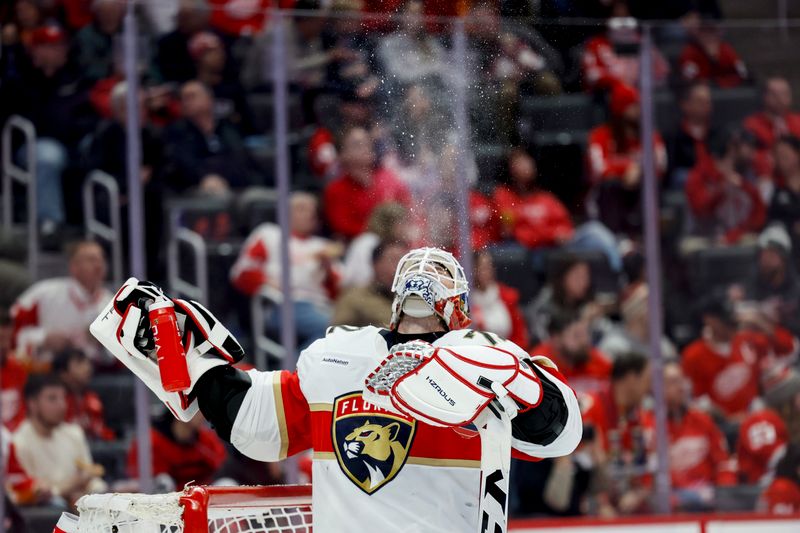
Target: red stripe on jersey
429, 441
296, 413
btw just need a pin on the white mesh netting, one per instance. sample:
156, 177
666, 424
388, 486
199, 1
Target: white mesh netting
163, 513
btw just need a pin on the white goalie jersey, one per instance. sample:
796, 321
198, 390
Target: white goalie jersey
374, 469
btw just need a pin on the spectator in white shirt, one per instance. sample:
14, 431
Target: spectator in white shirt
55, 313
314, 269
54, 452
387, 223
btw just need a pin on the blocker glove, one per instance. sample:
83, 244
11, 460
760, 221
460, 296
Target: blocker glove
123, 328
451, 385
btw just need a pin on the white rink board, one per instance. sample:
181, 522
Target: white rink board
681, 527
772, 526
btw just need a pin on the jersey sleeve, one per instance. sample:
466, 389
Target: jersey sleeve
273, 421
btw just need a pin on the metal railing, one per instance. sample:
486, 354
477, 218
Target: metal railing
97, 229
183, 237
25, 176
268, 300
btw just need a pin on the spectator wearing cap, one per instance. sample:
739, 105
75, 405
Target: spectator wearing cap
603, 68
570, 347
785, 205
494, 306
203, 154
172, 61
387, 223
54, 96
96, 45
211, 64
371, 305
84, 407
774, 121
709, 58
699, 460
350, 199
51, 450
187, 451
615, 162
775, 285
13, 376
55, 313
689, 144
633, 334
724, 202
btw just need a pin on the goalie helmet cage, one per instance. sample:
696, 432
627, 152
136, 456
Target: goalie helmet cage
200, 509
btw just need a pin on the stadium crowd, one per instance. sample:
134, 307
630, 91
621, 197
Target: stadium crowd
558, 263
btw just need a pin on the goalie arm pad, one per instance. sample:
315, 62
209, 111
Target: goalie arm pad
552, 429
220, 393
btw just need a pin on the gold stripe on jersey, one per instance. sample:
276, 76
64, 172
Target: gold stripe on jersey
325, 456
422, 461
276, 391
456, 463
320, 406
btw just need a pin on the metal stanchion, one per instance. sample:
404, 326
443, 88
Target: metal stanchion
95, 228
652, 239
177, 285
25, 176
135, 229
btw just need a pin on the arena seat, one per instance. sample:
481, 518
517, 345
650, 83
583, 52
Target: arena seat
561, 161
566, 112
116, 392
255, 206
514, 267
40, 519
738, 498
716, 268
731, 106
112, 455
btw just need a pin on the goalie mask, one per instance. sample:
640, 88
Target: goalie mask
430, 281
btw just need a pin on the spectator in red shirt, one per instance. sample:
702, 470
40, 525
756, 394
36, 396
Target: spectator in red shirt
615, 162
689, 144
707, 57
495, 306
776, 120
614, 416
761, 443
570, 347
184, 451
537, 219
724, 203
84, 407
723, 364
698, 452
12, 376
602, 67
782, 497
350, 199
534, 217
484, 218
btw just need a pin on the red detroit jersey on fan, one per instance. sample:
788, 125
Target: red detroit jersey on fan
373, 458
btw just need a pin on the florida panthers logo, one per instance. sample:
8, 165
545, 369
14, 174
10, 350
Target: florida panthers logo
371, 444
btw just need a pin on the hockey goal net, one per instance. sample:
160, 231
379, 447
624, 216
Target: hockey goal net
273, 509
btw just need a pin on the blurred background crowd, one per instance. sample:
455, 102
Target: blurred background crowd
553, 159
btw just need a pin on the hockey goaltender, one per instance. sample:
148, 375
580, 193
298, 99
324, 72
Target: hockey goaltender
405, 423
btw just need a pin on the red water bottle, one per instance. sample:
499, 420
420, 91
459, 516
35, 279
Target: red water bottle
169, 351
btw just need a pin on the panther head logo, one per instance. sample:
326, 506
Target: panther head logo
371, 447
377, 447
